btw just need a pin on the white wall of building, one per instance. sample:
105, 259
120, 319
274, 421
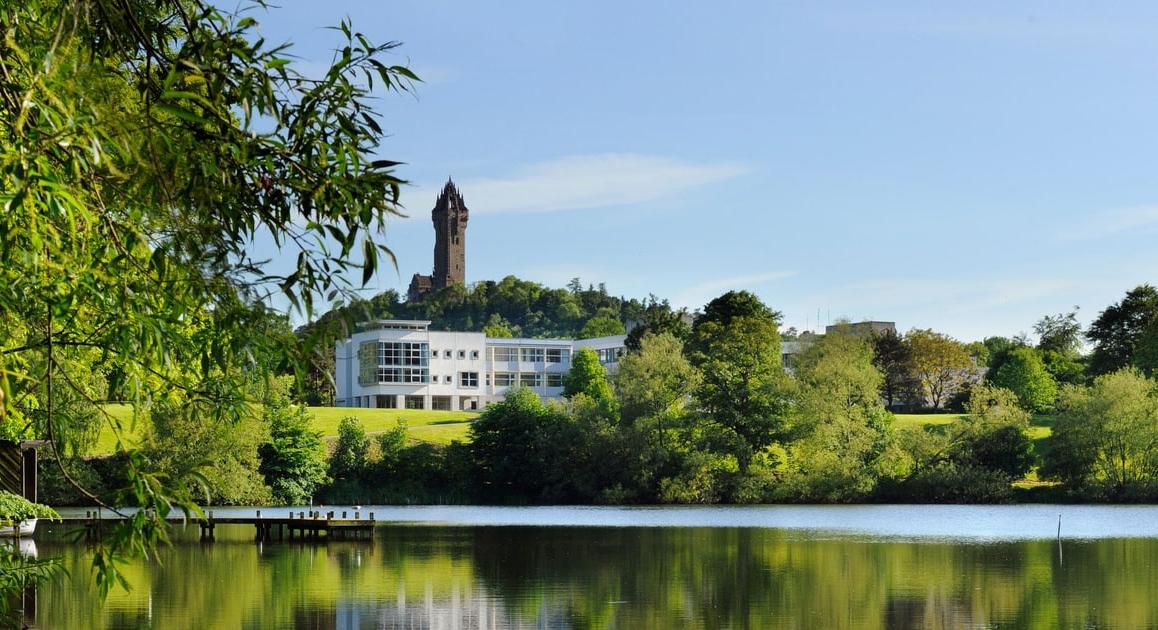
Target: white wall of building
465, 370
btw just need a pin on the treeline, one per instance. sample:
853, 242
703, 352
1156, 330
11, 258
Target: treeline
924, 369
510, 307
265, 453
712, 412
709, 413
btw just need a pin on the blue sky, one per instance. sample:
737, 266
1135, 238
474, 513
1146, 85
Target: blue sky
967, 168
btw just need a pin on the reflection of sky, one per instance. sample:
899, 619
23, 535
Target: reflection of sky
968, 522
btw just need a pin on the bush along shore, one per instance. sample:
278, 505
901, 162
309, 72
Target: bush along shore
704, 414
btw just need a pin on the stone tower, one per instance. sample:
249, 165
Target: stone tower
450, 215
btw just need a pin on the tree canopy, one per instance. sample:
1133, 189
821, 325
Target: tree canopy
147, 147
939, 362
1025, 374
1118, 329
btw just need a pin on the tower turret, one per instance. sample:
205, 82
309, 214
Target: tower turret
449, 216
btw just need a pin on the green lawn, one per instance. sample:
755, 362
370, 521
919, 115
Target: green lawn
1040, 427
926, 419
435, 427
438, 427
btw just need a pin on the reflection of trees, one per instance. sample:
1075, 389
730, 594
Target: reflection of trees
616, 577
643, 577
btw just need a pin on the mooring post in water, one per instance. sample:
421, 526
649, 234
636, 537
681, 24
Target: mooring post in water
1059, 527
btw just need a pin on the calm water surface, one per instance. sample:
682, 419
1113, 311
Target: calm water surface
758, 567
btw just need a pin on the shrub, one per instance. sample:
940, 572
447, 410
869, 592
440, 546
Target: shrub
14, 507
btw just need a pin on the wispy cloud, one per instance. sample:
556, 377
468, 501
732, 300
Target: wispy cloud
1112, 223
696, 296
587, 181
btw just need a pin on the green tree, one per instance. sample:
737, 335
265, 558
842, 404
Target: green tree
994, 436
744, 390
658, 318
350, 459
991, 405
1107, 434
293, 462
733, 305
601, 326
1060, 343
146, 147
1061, 333
1025, 374
841, 428
940, 364
997, 347
656, 380
893, 357
519, 447
498, 328
1146, 353
588, 377
978, 351
219, 457
1118, 329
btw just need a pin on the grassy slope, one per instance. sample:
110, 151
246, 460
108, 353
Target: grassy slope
436, 427
1040, 429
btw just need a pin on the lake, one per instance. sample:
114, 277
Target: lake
669, 567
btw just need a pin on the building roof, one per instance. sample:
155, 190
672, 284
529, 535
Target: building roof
395, 324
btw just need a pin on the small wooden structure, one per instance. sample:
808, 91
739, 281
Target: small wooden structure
18, 467
303, 525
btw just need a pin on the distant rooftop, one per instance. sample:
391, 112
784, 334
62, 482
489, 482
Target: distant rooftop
395, 324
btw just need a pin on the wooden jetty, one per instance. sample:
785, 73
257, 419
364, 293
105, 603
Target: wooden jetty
302, 525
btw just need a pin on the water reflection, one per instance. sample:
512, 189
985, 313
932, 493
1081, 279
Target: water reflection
598, 577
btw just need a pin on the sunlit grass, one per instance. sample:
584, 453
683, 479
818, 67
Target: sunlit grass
904, 420
326, 419
1039, 431
435, 427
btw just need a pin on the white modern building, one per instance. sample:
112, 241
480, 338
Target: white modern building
402, 364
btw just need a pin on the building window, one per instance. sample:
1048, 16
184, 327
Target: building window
531, 355
488, 379
468, 379
609, 355
530, 379
462, 354
415, 402
390, 375
506, 354
554, 379
446, 355
557, 355
474, 354
504, 379
434, 354
440, 403
448, 379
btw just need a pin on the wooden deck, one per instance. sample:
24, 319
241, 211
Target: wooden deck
272, 525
